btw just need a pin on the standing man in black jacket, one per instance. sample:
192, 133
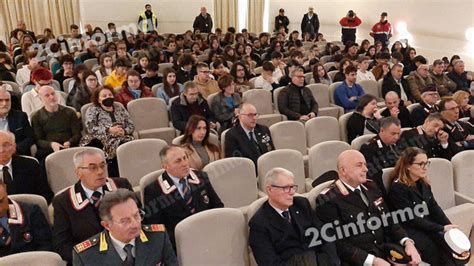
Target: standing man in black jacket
310, 23
281, 21
203, 22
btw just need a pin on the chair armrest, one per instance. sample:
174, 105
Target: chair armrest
261, 194
461, 198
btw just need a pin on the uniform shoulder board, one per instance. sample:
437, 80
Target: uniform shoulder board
329, 188
154, 228
86, 244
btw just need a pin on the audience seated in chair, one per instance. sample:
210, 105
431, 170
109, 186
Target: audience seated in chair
394, 81
133, 88
205, 84
76, 216
108, 125
225, 105
55, 126
82, 95
195, 143
429, 98
24, 226
396, 108
190, 103
365, 118
170, 87
419, 79
119, 75
348, 93
187, 191
296, 100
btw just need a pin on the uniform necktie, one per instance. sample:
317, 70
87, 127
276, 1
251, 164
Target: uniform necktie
187, 196
7, 178
361, 196
129, 260
286, 215
96, 196
254, 143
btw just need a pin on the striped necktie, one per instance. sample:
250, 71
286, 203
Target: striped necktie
187, 196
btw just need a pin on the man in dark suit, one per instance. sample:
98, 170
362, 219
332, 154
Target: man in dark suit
429, 97
460, 133
21, 174
278, 229
394, 81
310, 23
248, 139
76, 215
125, 241
382, 151
351, 198
396, 108
179, 192
23, 226
16, 122
430, 137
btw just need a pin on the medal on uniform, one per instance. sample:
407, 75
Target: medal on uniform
27, 237
205, 198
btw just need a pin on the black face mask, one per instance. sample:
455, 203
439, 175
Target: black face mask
108, 102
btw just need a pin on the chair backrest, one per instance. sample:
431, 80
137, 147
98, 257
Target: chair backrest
154, 89
323, 157
289, 135
463, 174
15, 86
33, 258
343, 125
387, 183
313, 193
164, 66
276, 92
307, 77
412, 107
440, 173
361, 140
370, 87
38, 200
328, 65
234, 181
281, 158
223, 141
261, 99
324, 59
321, 94
322, 128
134, 167
84, 109
66, 83
60, 167
90, 63
332, 74
332, 88
148, 113
379, 85
225, 232
210, 97
146, 180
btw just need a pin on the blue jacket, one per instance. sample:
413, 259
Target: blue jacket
344, 92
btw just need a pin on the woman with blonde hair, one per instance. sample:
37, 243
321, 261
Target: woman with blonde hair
411, 189
462, 99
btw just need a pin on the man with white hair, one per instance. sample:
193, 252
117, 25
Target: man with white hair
91, 52
354, 199
461, 77
76, 215
278, 229
16, 122
203, 22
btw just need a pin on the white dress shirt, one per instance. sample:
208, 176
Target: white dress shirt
119, 245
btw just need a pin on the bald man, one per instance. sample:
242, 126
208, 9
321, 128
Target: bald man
353, 199
396, 108
203, 22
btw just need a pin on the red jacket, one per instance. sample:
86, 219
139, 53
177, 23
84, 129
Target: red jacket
381, 28
350, 24
125, 96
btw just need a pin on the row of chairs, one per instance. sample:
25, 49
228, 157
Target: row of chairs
226, 232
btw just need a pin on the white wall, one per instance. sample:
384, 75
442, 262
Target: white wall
173, 15
437, 26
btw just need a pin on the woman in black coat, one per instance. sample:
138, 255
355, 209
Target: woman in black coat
411, 187
365, 118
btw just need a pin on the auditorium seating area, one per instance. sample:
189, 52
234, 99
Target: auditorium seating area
308, 149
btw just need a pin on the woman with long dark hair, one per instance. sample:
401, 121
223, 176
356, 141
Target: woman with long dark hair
365, 118
170, 87
410, 187
196, 143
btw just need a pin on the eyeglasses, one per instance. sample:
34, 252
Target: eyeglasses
126, 222
251, 115
94, 167
423, 164
287, 189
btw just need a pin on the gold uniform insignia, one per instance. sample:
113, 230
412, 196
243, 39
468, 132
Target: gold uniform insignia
395, 255
85, 245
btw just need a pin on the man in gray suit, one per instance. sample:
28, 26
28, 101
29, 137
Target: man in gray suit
125, 241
